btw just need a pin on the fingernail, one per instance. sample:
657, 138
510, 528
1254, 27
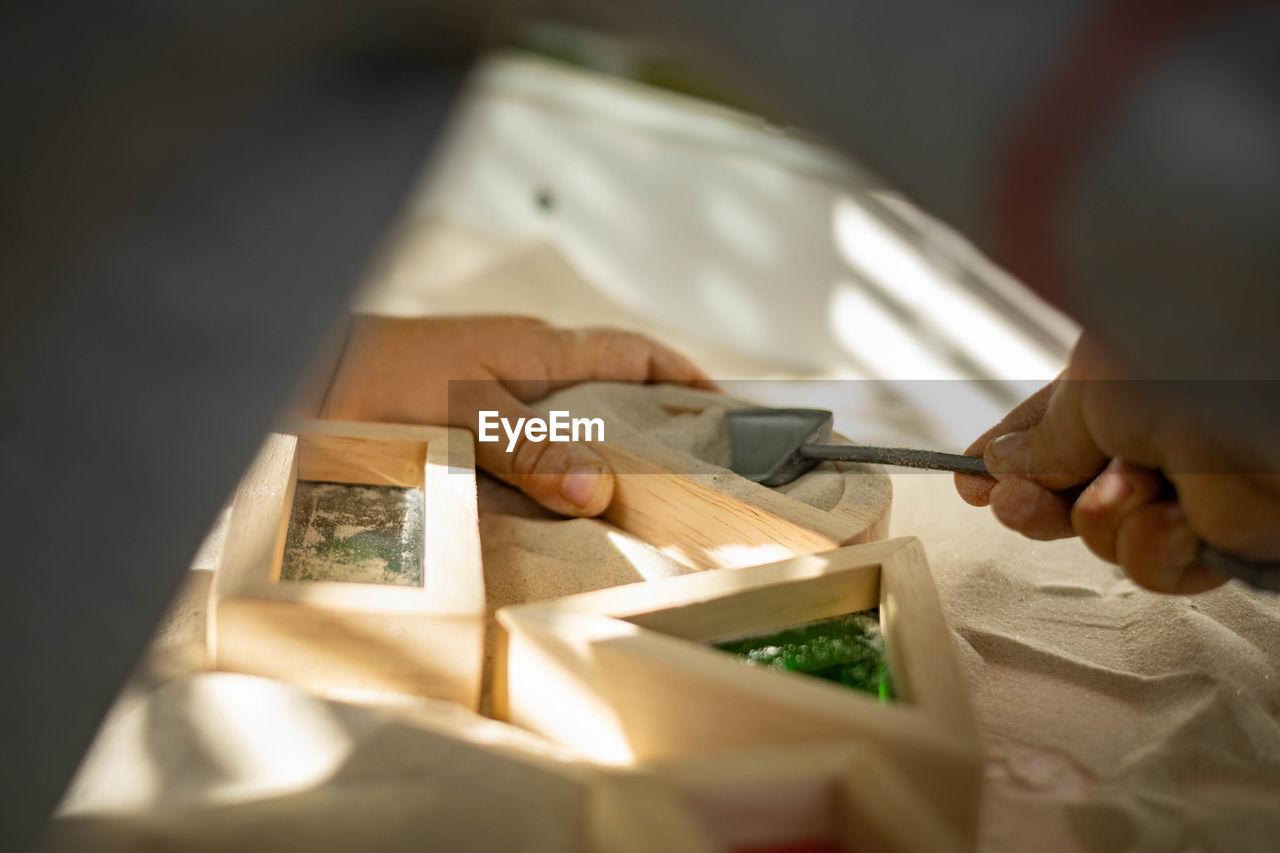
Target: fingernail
1006, 446
1109, 491
580, 484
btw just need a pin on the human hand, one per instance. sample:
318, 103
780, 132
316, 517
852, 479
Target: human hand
399, 369
1140, 480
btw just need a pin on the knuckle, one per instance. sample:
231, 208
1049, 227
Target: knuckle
526, 457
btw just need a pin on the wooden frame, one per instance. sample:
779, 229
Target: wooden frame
772, 798
346, 638
707, 518
625, 675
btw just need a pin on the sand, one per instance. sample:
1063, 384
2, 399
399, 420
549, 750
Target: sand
221, 761
1113, 719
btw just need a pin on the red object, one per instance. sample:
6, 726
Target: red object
1100, 70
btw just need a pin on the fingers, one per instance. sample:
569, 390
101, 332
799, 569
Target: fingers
1236, 513
1122, 520
537, 359
1033, 511
608, 355
1026, 414
1157, 547
1094, 416
1056, 453
1113, 496
976, 490
567, 477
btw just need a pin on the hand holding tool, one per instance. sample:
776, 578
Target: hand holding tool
774, 446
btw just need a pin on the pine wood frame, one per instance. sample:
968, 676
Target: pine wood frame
704, 517
625, 675
769, 798
339, 638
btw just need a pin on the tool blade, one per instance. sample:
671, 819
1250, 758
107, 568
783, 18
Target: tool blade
766, 443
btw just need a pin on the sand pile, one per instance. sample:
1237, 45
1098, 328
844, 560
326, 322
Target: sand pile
1113, 719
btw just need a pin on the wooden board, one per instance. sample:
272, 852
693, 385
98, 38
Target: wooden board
696, 520
625, 674
840, 792
345, 638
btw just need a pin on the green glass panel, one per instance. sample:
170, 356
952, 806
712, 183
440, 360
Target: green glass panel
846, 649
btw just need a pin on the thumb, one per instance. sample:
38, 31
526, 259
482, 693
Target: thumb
566, 477
1057, 452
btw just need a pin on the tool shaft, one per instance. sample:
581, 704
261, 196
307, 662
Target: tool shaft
902, 456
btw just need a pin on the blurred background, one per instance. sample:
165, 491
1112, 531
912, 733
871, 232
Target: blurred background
594, 180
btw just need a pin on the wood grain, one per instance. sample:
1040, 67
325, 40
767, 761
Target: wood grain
699, 522
371, 454
259, 518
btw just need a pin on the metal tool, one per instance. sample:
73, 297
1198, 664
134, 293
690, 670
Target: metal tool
774, 446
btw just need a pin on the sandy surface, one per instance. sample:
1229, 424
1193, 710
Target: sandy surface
1112, 719
220, 761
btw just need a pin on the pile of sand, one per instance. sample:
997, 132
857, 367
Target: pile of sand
1112, 718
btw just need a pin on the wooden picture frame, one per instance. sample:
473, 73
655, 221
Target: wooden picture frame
339, 638
841, 793
624, 674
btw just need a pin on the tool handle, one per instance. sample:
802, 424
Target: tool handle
1260, 574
